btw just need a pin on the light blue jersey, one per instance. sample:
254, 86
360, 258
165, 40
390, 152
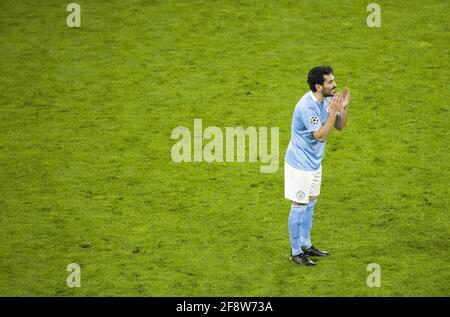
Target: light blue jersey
305, 152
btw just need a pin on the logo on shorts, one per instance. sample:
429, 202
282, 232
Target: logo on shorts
300, 194
314, 120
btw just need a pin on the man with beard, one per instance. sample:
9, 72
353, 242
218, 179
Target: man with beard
315, 115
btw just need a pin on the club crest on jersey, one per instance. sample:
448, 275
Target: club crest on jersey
314, 120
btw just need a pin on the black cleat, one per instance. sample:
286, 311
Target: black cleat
312, 251
302, 259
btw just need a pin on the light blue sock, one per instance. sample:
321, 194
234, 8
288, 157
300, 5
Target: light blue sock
295, 223
306, 221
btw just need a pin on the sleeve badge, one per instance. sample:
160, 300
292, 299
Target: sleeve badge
314, 120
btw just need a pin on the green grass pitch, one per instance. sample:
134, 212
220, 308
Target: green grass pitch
86, 116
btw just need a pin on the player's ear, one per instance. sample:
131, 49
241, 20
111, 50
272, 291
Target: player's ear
318, 87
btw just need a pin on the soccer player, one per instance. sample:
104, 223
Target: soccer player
315, 115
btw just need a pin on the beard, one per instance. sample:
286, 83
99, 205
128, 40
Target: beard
329, 92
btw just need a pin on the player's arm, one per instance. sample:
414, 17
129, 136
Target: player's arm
341, 120
323, 133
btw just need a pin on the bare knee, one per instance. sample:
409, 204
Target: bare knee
294, 203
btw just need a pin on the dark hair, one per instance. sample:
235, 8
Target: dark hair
315, 75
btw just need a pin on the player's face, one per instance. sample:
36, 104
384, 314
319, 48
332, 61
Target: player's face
329, 86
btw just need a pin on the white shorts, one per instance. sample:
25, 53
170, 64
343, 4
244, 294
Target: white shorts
299, 185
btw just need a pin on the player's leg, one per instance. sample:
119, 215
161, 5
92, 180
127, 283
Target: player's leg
307, 246
296, 215
307, 223
296, 186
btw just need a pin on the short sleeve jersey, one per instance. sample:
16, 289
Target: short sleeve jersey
305, 152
